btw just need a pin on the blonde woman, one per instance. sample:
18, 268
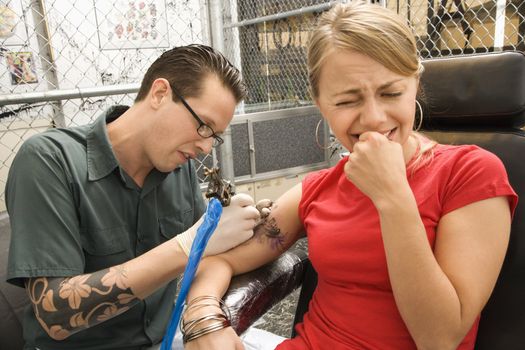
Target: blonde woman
406, 237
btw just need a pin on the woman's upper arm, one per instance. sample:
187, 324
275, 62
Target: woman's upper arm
470, 247
277, 232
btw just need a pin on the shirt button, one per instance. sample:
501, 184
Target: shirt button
148, 322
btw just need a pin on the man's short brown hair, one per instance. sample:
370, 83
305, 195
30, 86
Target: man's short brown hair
186, 67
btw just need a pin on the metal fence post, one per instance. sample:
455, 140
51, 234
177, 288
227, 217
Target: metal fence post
47, 58
217, 40
499, 28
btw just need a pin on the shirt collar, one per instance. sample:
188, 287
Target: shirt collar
100, 156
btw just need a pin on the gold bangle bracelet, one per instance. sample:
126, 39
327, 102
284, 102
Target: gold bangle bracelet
190, 325
209, 329
192, 304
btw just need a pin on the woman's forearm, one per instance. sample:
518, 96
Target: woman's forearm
277, 232
204, 309
424, 295
212, 278
440, 292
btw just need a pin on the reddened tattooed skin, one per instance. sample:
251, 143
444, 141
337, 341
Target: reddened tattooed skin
269, 231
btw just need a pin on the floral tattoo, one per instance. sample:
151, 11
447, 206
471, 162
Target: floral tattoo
64, 306
268, 230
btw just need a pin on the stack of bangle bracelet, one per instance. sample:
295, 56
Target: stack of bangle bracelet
190, 329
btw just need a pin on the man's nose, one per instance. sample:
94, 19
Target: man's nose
205, 145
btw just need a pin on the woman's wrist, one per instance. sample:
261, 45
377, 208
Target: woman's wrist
204, 315
401, 197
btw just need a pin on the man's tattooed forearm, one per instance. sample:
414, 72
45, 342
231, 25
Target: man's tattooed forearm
64, 306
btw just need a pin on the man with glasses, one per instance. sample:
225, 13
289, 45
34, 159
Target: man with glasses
204, 129
115, 206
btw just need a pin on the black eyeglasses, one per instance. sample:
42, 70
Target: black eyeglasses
204, 130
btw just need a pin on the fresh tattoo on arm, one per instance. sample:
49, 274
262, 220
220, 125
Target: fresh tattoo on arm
64, 306
269, 231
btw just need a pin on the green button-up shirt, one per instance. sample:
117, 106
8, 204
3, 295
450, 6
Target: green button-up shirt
74, 210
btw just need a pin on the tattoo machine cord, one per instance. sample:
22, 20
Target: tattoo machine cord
204, 232
220, 192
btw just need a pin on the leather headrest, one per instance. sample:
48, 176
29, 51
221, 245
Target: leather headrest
484, 90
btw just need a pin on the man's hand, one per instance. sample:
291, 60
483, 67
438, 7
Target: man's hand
235, 227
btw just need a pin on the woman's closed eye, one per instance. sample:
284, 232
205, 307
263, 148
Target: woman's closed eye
391, 94
352, 102
346, 103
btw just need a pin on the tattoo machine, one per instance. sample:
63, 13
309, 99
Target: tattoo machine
220, 192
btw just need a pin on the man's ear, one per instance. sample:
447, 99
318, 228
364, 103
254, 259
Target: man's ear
160, 91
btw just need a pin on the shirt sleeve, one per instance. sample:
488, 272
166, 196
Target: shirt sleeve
45, 239
314, 183
477, 175
198, 199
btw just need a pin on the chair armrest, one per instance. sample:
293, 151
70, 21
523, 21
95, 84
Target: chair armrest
252, 294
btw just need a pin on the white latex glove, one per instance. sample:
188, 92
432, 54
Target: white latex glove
235, 227
264, 206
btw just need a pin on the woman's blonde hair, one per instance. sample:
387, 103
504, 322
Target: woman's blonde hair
373, 31
365, 28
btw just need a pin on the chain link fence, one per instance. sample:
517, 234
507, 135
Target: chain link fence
455, 27
63, 61
272, 37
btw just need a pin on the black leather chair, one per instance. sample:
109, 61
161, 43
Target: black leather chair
478, 100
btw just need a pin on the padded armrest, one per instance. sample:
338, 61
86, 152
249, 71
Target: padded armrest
252, 294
